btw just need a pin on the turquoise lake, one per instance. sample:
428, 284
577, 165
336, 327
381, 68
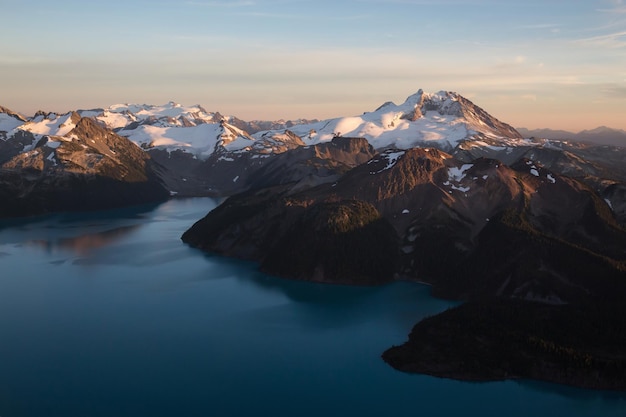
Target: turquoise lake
110, 314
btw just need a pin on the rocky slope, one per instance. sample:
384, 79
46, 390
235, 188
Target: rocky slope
449, 220
67, 162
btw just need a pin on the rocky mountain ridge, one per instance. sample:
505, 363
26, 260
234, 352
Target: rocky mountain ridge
441, 212
601, 135
73, 163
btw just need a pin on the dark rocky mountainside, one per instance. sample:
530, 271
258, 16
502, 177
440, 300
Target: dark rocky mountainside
88, 168
602, 168
468, 229
540, 244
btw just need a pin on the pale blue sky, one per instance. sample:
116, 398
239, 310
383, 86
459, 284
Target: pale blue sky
532, 63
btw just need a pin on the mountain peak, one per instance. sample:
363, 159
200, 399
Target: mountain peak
415, 98
12, 113
10, 120
602, 130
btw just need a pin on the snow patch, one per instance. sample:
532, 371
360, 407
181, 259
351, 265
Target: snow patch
551, 178
53, 144
457, 174
8, 122
407, 249
392, 158
52, 159
462, 189
51, 125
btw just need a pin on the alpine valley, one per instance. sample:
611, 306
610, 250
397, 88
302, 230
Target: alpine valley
528, 232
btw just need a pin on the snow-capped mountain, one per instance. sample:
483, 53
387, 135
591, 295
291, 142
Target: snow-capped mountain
191, 129
172, 127
167, 115
68, 162
9, 120
442, 120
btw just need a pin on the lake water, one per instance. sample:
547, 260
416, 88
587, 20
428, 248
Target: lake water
110, 314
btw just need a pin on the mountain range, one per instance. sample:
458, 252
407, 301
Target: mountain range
599, 136
433, 190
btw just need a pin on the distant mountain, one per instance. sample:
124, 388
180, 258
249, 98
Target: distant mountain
68, 162
173, 127
9, 120
599, 136
443, 120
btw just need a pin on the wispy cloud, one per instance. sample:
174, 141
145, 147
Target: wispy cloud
610, 40
271, 15
614, 91
618, 7
299, 16
540, 26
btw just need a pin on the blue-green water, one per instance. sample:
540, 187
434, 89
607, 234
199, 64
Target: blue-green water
109, 314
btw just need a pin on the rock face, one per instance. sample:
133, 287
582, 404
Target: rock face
324, 243
87, 167
345, 242
511, 229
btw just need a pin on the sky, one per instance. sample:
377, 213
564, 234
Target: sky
557, 64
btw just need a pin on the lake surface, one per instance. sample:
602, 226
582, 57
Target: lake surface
110, 314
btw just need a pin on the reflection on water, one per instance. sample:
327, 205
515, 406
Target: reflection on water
85, 243
111, 314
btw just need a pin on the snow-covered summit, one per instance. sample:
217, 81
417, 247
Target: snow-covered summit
167, 115
42, 124
442, 119
9, 120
